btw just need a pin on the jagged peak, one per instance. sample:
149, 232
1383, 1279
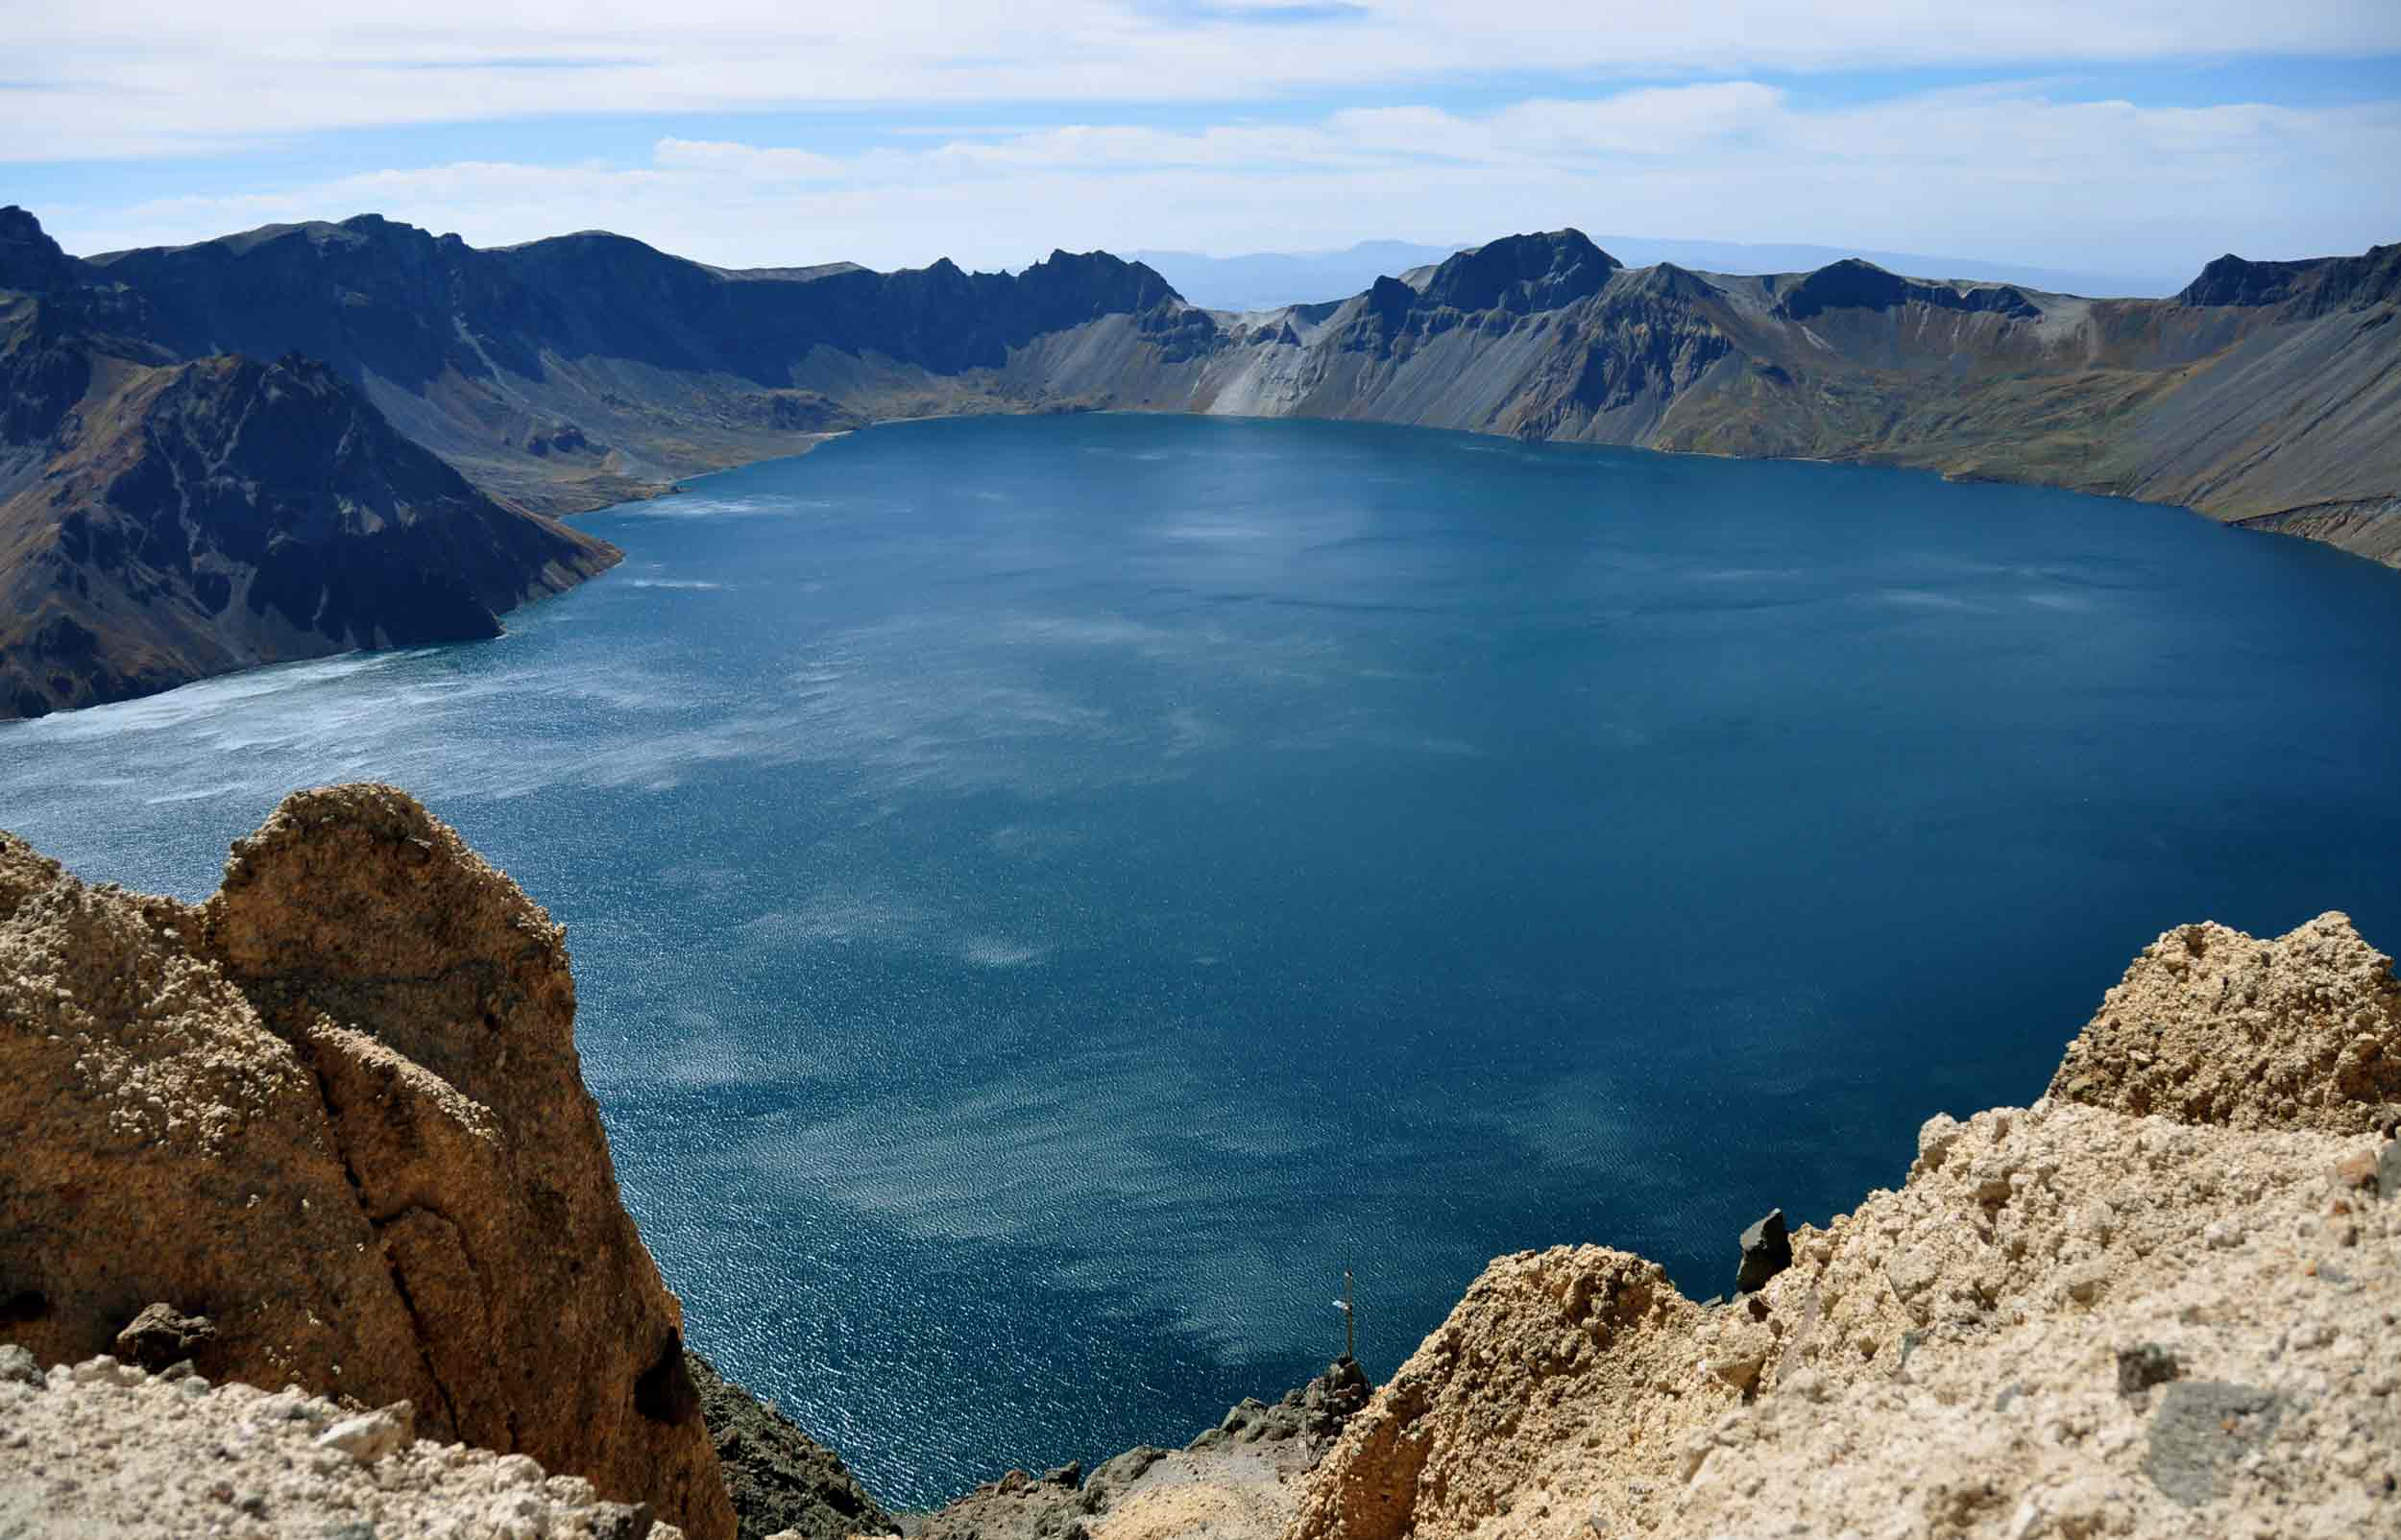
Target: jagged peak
1525, 273
1856, 283
1668, 280
29, 258
2317, 283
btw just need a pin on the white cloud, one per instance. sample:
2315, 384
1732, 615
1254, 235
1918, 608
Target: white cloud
157, 77
2002, 173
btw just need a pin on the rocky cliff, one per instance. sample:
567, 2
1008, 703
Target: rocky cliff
323, 1137
335, 1116
578, 370
569, 374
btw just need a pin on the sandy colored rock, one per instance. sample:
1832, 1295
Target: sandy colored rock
2068, 1321
337, 1110
2210, 1025
1240, 1479
106, 1452
1565, 1378
1952, 1358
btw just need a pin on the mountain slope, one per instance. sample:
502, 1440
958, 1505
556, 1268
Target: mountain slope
165, 521
571, 374
2253, 394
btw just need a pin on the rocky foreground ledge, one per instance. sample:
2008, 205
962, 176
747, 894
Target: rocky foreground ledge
308, 1227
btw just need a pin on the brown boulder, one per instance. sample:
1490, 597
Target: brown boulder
337, 1109
2210, 1025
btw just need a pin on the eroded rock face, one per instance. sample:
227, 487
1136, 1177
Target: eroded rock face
2213, 1026
338, 1111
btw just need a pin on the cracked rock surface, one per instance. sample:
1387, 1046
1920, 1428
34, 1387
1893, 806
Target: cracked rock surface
337, 1111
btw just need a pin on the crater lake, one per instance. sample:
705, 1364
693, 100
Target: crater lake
1048, 895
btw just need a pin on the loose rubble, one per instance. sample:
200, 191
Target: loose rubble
105, 1448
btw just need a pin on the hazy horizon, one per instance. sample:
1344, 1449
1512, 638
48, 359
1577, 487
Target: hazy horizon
2144, 139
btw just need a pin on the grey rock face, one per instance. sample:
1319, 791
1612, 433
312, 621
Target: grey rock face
1766, 1251
2201, 1428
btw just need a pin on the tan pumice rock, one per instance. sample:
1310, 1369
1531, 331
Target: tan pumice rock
2210, 1025
337, 1110
2070, 1321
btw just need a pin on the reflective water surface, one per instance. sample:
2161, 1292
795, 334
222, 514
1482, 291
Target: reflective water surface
1048, 895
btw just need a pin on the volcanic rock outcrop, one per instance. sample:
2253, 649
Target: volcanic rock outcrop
2071, 1321
780, 1480
337, 1111
165, 518
1240, 1479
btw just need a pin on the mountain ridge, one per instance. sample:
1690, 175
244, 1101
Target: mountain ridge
164, 518
580, 370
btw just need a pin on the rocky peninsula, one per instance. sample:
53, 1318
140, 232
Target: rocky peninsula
308, 1227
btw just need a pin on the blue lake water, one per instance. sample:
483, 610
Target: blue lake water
1048, 895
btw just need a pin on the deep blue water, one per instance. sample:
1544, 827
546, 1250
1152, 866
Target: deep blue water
1048, 895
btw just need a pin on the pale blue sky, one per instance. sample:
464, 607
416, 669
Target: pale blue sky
2137, 136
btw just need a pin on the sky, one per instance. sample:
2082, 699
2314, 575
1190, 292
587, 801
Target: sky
2113, 136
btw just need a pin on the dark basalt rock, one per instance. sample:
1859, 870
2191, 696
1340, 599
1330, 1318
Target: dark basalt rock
30, 261
1521, 274
1854, 284
780, 1478
161, 1336
2311, 287
181, 486
1766, 1251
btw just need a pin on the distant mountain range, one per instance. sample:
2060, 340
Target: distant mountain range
1265, 280
172, 505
